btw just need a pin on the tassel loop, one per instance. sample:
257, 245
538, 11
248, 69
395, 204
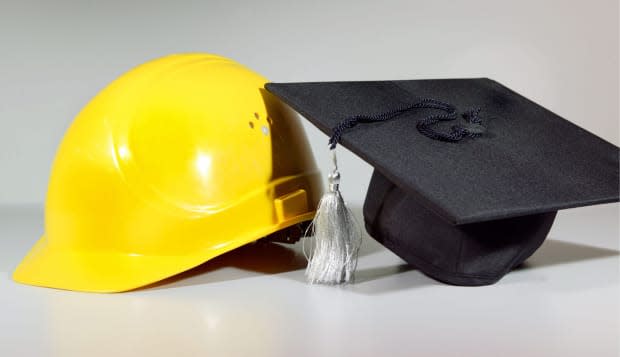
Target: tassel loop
333, 180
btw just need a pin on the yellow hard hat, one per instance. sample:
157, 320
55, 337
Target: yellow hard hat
176, 162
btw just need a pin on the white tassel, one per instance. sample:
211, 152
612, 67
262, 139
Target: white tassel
337, 237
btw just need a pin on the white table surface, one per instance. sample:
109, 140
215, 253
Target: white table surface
254, 302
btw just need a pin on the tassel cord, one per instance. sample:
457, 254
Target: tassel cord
474, 127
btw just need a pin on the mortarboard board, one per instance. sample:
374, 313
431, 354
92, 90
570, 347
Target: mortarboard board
468, 174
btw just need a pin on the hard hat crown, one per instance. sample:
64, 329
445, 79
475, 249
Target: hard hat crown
177, 161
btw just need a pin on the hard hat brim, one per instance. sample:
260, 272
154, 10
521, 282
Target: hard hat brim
110, 272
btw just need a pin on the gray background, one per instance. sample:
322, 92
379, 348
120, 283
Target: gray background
56, 55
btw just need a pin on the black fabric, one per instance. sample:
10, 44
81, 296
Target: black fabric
470, 254
464, 212
528, 161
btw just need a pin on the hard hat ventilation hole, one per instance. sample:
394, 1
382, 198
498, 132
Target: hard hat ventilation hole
251, 125
269, 120
256, 116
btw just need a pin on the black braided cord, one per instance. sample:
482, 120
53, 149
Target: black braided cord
425, 126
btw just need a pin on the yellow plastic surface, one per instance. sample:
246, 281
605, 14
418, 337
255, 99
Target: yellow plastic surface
178, 161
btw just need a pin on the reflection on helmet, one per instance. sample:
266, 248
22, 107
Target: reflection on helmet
178, 161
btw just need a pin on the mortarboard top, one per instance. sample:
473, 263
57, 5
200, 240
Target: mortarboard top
463, 211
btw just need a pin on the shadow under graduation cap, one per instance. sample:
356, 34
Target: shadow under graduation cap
267, 258
467, 203
272, 259
400, 277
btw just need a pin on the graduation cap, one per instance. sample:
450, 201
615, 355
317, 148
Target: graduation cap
468, 178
